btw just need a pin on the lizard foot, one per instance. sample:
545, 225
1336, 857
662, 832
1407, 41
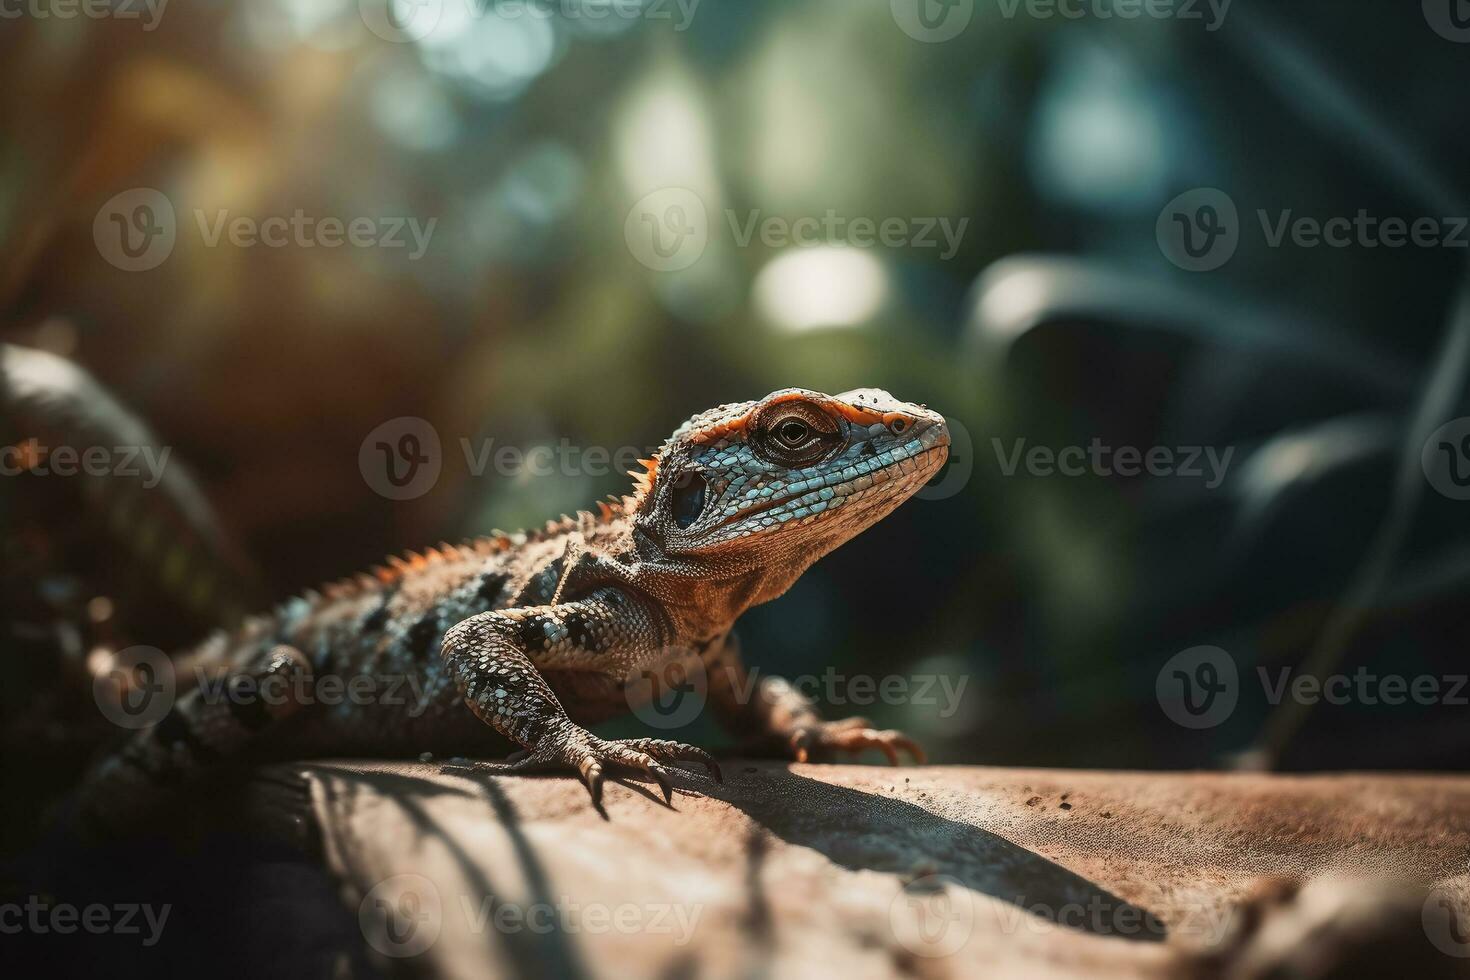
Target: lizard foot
850, 735
580, 750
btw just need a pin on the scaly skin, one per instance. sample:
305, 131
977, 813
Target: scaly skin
533, 636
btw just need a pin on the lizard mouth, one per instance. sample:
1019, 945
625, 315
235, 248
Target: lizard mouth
927, 452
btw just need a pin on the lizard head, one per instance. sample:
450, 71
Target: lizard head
777, 483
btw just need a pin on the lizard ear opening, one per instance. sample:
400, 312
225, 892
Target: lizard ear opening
687, 501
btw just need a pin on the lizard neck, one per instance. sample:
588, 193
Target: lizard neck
702, 598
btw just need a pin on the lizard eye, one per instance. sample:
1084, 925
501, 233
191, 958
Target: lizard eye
687, 502
793, 433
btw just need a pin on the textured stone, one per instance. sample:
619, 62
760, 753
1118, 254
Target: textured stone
809, 870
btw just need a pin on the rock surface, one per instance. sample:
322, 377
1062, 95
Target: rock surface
808, 870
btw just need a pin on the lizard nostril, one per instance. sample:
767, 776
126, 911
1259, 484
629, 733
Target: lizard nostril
898, 425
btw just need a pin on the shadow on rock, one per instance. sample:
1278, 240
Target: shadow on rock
864, 831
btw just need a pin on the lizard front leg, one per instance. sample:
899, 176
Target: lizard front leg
496, 658
776, 715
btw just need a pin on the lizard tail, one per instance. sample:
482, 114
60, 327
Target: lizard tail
159, 519
92, 558
197, 736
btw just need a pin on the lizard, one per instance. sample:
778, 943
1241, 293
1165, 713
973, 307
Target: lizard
527, 638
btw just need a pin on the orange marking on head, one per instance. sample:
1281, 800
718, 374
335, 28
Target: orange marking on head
865, 416
857, 414
718, 431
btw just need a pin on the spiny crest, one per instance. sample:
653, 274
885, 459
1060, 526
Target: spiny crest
644, 479
701, 429
711, 425
397, 567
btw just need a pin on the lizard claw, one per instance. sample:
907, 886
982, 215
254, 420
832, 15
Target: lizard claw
587, 755
851, 735
591, 771
663, 782
669, 751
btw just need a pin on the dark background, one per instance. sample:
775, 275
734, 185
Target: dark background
530, 320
